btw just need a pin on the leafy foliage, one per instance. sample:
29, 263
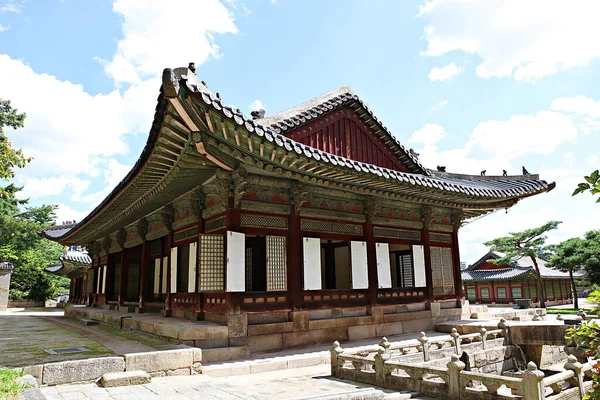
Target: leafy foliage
9, 158
591, 184
530, 243
586, 336
9, 388
20, 225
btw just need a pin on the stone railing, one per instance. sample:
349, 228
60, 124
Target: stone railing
384, 367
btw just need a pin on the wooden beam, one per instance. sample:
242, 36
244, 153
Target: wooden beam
176, 103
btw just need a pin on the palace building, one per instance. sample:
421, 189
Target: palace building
486, 282
314, 221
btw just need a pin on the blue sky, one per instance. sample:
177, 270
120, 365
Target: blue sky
470, 85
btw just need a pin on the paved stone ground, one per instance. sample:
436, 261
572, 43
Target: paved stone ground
297, 383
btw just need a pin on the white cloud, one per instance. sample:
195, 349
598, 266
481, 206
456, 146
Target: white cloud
53, 186
4, 28
593, 161
584, 109
67, 130
12, 6
155, 36
256, 105
527, 40
540, 133
440, 104
444, 73
67, 213
429, 134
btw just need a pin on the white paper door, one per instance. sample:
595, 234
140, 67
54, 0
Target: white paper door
173, 270
358, 258
236, 262
98, 280
312, 263
165, 260
192, 268
104, 279
419, 264
384, 272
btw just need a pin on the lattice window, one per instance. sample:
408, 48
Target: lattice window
248, 269
396, 233
501, 293
517, 293
330, 227
485, 293
276, 263
262, 221
211, 262
440, 237
405, 269
471, 294
442, 270
215, 224
89, 283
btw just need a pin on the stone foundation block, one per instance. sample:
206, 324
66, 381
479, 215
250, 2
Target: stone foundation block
165, 330
354, 312
307, 338
390, 329
237, 325
362, 332
197, 354
112, 319
418, 325
226, 354
81, 370
377, 314
267, 366
266, 329
267, 318
199, 332
180, 372
319, 314
146, 326
226, 370
36, 371
211, 343
114, 379
407, 316
300, 320
160, 360
259, 343
131, 323
435, 309
416, 307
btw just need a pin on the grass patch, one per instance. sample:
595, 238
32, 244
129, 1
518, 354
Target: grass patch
9, 389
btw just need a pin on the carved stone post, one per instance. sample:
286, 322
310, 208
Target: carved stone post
380, 358
533, 387
573, 365
385, 344
454, 368
424, 345
502, 325
482, 332
456, 340
335, 351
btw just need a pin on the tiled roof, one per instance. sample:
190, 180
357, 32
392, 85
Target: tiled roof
70, 262
344, 96
472, 187
80, 257
519, 267
6, 265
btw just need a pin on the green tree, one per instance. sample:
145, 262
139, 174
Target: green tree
569, 256
9, 158
591, 184
530, 243
20, 224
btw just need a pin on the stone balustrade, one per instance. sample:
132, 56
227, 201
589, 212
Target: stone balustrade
386, 367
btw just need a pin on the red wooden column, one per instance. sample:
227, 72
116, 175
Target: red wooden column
477, 295
427, 253
372, 262
493, 292
294, 263
143, 268
510, 296
169, 299
122, 276
456, 266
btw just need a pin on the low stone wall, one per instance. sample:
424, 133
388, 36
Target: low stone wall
156, 363
25, 303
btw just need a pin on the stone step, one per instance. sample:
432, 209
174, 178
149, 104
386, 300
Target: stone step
466, 326
225, 353
113, 379
88, 322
